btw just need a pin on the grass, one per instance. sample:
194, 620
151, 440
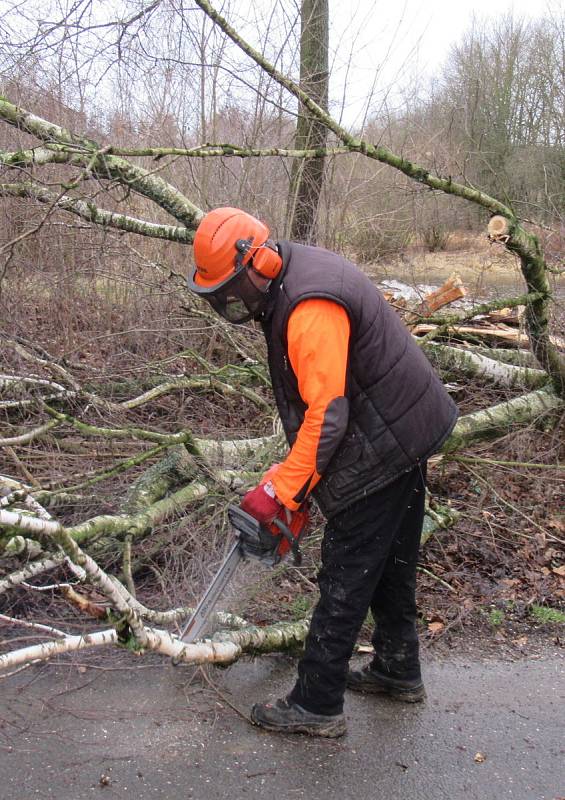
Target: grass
545, 615
300, 607
495, 617
542, 615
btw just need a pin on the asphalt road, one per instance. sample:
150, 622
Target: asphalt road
133, 729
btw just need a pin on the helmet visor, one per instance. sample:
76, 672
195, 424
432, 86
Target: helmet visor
236, 299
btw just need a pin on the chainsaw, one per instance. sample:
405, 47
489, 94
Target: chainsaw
253, 540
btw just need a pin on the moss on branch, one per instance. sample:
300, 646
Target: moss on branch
490, 423
87, 210
80, 151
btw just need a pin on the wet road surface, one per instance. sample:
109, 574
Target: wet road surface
140, 730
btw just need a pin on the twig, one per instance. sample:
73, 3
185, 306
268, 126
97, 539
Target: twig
24, 438
103, 475
224, 698
35, 568
457, 621
437, 578
22, 467
34, 625
525, 464
303, 578
514, 508
15, 672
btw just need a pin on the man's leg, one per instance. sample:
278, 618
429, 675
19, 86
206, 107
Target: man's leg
353, 556
355, 549
395, 669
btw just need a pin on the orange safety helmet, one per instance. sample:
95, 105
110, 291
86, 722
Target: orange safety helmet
228, 239
230, 246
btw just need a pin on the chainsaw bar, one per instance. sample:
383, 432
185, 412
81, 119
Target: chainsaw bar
198, 621
254, 541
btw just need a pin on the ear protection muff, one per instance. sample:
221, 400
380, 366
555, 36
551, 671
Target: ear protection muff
266, 260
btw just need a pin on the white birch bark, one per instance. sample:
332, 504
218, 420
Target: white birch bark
476, 365
224, 650
30, 571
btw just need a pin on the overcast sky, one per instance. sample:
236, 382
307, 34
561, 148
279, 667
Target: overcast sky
381, 50
404, 41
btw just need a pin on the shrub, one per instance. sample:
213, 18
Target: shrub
436, 238
373, 244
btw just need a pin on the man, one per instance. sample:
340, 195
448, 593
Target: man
362, 410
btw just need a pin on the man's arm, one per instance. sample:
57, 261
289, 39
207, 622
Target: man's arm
318, 343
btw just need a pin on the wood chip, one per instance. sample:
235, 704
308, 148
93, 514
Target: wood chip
435, 627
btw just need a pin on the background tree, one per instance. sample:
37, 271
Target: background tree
307, 175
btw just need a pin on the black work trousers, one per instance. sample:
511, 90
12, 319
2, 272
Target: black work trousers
369, 559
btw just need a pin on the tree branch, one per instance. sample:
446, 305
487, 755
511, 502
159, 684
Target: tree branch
228, 151
382, 154
499, 419
87, 210
474, 365
516, 239
88, 153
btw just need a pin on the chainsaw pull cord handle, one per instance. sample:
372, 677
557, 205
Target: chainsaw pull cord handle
294, 541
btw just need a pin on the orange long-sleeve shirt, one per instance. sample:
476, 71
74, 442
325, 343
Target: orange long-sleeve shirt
318, 343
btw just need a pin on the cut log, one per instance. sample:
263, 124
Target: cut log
450, 291
496, 332
509, 316
508, 231
498, 229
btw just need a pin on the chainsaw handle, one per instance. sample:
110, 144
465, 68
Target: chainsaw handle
257, 541
264, 542
294, 541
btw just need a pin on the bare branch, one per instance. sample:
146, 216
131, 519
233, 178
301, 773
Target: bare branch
82, 151
87, 210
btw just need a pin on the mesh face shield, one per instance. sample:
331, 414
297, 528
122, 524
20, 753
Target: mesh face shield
236, 299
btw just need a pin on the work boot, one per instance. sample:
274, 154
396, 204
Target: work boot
287, 717
372, 682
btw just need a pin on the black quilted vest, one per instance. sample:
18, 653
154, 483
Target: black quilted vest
399, 411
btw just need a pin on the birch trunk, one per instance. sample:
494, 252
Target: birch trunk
223, 650
498, 420
476, 365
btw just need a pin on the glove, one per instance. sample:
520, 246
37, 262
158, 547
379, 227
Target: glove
261, 503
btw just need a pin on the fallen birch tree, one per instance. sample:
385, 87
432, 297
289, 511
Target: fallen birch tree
148, 507
57, 409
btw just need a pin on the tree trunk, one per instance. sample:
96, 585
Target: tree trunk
498, 420
307, 175
476, 365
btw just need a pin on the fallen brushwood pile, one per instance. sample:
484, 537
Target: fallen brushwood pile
119, 463
187, 473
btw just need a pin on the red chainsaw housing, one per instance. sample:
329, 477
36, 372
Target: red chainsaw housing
295, 521
298, 522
